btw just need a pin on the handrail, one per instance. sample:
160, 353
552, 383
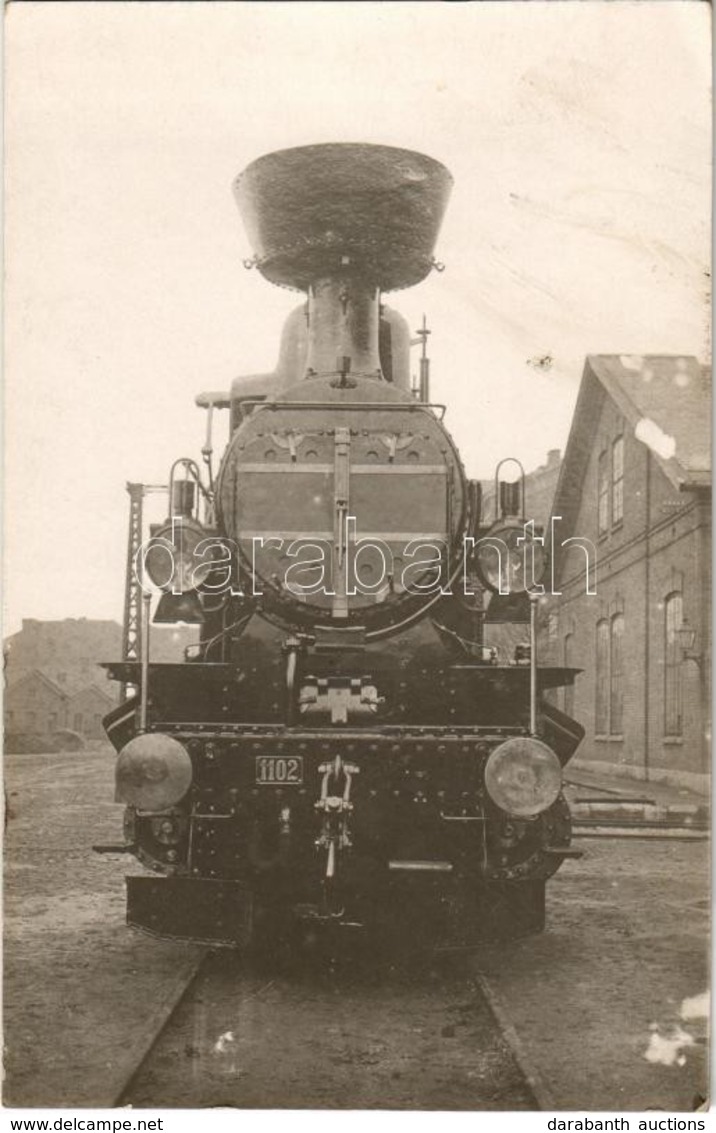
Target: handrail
411, 406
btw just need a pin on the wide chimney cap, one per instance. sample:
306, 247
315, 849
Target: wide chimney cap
343, 209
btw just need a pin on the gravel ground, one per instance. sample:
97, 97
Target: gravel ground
626, 943
81, 992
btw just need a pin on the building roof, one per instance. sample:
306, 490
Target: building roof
58, 625
95, 690
666, 401
672, 393
37, 675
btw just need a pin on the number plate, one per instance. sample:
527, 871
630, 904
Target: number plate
278, 770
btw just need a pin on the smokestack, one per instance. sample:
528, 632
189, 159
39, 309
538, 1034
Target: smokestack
343, 223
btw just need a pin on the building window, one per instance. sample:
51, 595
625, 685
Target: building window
617, 481
31, 719
616, 675
78, 722
609, 712
603, 493
568, 660
673, 691
601, 714
52, 722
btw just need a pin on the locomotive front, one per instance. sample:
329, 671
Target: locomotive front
341, 744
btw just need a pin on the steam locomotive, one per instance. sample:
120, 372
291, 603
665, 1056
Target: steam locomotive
342, 745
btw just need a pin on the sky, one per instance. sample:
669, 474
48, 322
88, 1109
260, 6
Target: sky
578, 135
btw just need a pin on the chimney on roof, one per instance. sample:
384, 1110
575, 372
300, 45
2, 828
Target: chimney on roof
553, 457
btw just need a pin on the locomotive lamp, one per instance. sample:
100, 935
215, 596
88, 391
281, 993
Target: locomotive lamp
686, 637
153, 772
173, 558
523, 777
510, 557
174, 567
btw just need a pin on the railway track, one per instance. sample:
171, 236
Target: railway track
361, 1029
399, 1029
420, 1031
603, 828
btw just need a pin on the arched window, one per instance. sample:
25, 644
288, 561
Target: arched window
617, 481
601, 712
568, 661
603, 493
616, 675
673, 690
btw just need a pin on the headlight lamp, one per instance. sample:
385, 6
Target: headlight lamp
172, 560
523, 777
509, 559
153, 772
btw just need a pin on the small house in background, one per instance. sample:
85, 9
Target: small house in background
65, 656
632, 567
35, 705
85, 710
68, 651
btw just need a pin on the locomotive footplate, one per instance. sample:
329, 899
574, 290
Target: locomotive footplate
185, 908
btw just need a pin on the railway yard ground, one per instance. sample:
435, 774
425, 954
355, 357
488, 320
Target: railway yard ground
604, 1011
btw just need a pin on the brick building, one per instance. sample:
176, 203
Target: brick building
54, 679
85, 710
35, 705
66, 651
634, 495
